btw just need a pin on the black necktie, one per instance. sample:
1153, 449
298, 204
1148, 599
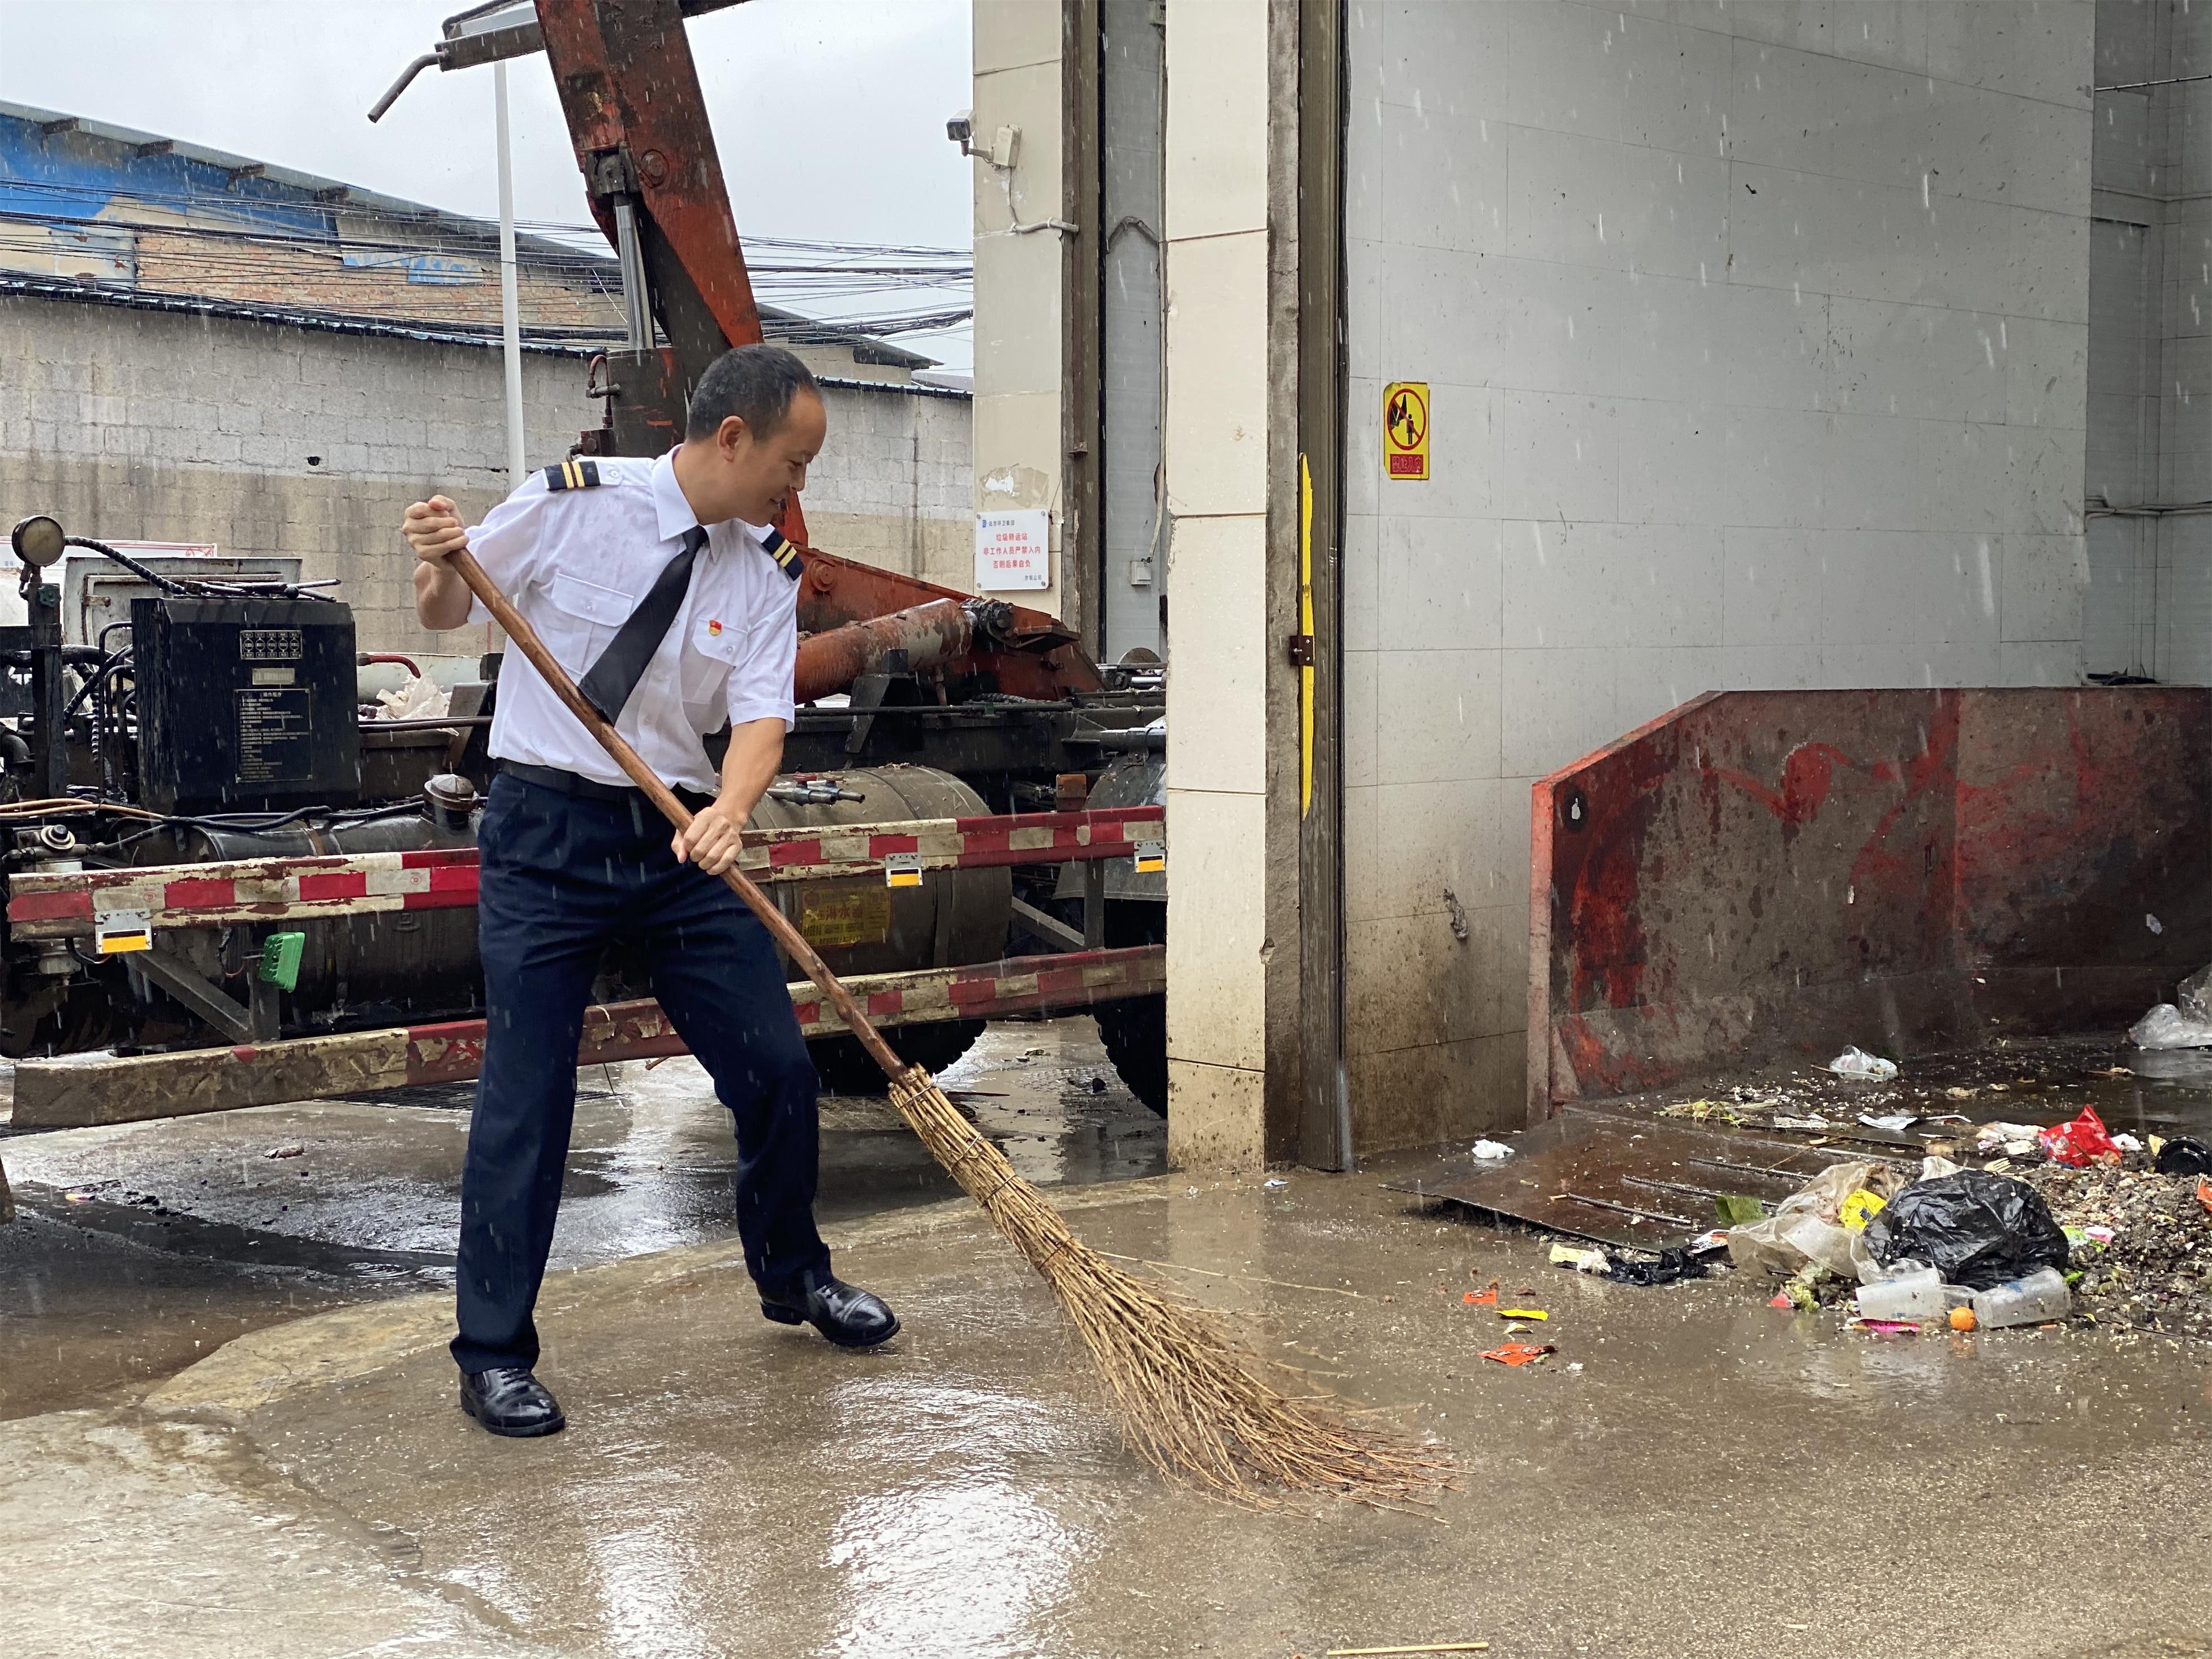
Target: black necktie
607, 688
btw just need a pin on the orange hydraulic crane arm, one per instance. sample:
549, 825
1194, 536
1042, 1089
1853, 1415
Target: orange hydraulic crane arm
638, 122
630, 91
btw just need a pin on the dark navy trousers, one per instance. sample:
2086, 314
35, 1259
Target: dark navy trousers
563, 875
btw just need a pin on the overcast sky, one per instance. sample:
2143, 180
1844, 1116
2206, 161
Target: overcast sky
829, 115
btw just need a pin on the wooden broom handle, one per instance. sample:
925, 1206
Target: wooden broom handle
521, 633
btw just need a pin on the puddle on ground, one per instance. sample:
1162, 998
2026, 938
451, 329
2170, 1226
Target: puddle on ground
184, 1232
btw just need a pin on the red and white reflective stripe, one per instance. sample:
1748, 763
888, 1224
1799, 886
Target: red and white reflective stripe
44, 906
970, 843
73, 1091
640, 1030
992, 990
65, 906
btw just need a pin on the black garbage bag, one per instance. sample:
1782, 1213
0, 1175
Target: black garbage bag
2183, 1155
1975, 1228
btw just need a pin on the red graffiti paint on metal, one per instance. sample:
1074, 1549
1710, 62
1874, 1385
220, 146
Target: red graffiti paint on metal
1808, 773
1877, 861
1761, 875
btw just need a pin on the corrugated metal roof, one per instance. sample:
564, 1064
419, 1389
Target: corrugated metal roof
334, 195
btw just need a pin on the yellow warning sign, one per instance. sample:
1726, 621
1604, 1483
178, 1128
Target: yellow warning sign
1405, 431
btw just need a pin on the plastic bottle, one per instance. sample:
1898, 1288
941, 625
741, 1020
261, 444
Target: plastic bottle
2035, 1300
1914, 1296
1873, 1273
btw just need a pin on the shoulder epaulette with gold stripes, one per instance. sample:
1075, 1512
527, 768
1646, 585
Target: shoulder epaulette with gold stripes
786, 555
573, 475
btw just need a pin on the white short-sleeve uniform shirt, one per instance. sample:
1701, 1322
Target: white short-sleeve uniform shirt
576, 562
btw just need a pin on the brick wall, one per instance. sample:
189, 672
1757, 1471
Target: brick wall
278, 274
152, 426
892, 485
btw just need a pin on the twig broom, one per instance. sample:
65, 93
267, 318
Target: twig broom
1189, 1400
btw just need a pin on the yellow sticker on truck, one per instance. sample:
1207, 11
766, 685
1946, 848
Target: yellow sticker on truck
841, 913
120, 930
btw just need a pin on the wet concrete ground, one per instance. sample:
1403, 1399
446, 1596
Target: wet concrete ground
1717, 1477
143, 1246
1694, 1473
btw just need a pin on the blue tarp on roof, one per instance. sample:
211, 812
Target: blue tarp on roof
81, 174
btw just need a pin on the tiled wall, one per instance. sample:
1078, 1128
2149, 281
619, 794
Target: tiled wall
1757, 336
2183, 112
2151, 608
1131, 303
2132, 170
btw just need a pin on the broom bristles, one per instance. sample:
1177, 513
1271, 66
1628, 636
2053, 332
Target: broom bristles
1189, 1399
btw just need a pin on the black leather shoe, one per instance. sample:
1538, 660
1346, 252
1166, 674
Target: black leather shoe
507, 1400
848, 1315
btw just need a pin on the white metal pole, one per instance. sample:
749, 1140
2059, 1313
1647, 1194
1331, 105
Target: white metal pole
510, 306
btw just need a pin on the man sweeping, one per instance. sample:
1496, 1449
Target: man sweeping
659, 587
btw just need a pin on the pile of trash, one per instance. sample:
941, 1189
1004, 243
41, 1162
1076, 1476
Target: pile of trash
2143, 1231
2065, 1220
1966, 1249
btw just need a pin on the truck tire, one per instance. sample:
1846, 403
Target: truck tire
845, 1068
1135, 1035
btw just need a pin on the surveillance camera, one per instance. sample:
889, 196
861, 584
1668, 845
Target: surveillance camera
961, 128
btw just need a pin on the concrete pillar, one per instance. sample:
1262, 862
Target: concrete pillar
1021, 282
1230, 471
1130, 302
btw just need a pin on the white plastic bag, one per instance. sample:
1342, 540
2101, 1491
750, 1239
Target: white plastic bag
1857, 1062
1806, 1227
421, 698
1491, 1151
2185, 1022
2195, 994
2167, 1027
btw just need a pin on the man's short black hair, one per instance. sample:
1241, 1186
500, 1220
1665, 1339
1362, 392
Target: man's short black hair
755, 383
